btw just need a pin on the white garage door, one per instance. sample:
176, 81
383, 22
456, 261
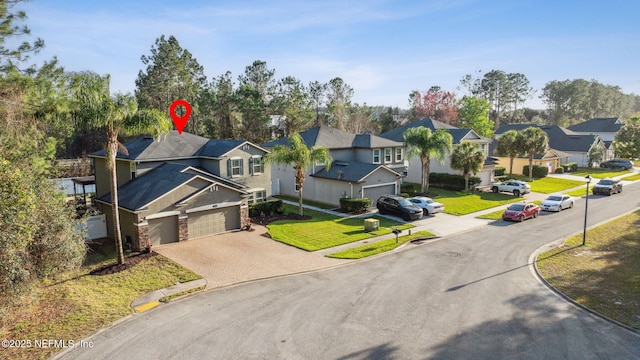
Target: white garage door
214, 221
163, 230
374, 193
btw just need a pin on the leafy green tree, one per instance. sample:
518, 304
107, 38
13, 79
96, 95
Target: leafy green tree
361, 120
254, 98
533, 140
9, 30
37, 234
467, 158
387, 121
473, 113
298, 155
627, 142
292, 101
118, 115
172, 73
318, 95
224, 107
339, 96
596, 154
425, 144
508, 146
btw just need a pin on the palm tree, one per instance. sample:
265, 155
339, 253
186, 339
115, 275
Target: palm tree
533, 140
424, 143
508, 146
301, 157
118, 115
468, 158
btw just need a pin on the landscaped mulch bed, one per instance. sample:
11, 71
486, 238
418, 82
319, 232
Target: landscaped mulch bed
128, 263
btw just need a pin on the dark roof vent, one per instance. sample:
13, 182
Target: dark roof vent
341, 163
148, 137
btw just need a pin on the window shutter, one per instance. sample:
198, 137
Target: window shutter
241, 166
229, 168
250, 166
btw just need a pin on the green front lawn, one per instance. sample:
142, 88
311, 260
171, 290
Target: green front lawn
378, 246
461, 203
325, 230
599, 173
548, 185
306, 202
604, 275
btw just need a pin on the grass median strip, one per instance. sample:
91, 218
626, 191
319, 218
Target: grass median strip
378, 246
550, 185
325, 230
599, 173
631, 177
604, 275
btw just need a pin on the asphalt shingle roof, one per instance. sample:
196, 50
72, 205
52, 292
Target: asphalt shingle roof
173, 145
351, 171
397, 134
598, 125
148, 187
332, 138
559, 138
139, 192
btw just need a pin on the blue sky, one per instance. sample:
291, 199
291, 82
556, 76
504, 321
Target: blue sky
383, 49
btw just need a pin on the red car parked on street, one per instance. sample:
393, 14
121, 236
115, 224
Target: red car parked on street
521, 211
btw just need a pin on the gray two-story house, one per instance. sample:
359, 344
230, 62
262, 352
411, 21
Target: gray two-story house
177, 187
364, 166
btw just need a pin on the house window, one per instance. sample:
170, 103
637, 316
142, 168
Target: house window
236, 167
398, 154
257, 166
387, 156
376, 156
258, 196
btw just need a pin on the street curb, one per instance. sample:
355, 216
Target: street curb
533, 267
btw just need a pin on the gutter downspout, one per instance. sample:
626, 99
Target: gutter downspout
351, 186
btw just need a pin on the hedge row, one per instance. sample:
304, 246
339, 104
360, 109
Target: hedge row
266, 208
355, 205
451, 181
538, 171
499, 171
569, 167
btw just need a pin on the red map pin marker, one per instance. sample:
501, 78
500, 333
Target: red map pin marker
180, 121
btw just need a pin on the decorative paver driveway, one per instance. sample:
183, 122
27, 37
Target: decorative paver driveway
241, 256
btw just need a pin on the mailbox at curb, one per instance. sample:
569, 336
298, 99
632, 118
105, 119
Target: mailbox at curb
397, 232
371, 225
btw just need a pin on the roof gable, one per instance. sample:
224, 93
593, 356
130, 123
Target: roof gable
598, 125
332, 138
457, 133
350, 171
173, 145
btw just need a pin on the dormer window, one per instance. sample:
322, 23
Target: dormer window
387, 156
376, 156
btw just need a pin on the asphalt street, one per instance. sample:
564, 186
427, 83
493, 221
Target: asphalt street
467, 296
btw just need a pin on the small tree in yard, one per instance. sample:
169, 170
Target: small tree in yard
118, 115
508, 147
301, 157
424, 143
533, 140
467, 158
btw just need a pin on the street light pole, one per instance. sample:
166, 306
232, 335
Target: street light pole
586, 206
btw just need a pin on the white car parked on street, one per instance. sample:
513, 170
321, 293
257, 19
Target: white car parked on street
557, 203
427, 204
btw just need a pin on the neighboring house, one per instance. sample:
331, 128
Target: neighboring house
605, 128
566, 145
414, 168
364, 166
552, 160
179, 187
